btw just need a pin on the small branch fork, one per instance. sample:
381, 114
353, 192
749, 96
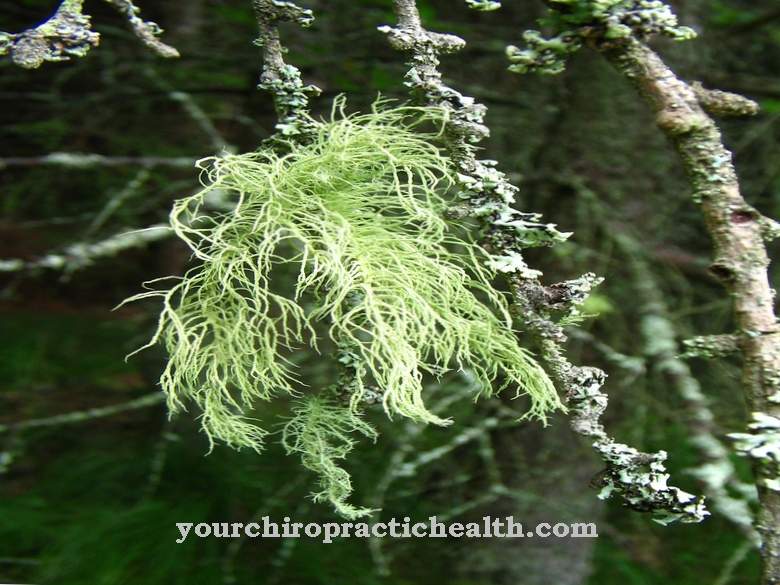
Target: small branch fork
639, 478
661, 353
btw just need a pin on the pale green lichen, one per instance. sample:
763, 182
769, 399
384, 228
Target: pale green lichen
604, 20
358, 212
488, 196
763, 446
484, 5
641, 479
322, 433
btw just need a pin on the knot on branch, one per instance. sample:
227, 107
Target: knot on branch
416, 38
675, 120
724, 103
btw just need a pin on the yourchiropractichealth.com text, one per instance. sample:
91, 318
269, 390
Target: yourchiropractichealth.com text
488, 528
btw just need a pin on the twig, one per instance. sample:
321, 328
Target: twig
739, 232
728, 567
15, 561
68, 34
167, 436
232, 550
83, 161
741, 260
146, 31
85, 415
283, 81
80, 255
116, 201
219, 143
716, 472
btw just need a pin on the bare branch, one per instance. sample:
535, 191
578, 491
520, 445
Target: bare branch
84, 415
80, 255
84, 161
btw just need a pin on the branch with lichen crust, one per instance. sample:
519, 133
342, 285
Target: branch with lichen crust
487, 195
146, 30
740, 261
283, 81
739, 234
68, 34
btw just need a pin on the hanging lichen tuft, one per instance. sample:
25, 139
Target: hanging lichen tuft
320, 433
358, 211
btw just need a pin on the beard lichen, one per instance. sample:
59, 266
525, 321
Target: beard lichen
359, 213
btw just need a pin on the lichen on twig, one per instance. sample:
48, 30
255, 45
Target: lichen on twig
487, 196
68, 33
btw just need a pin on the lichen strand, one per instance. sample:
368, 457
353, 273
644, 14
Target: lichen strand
359, 212
322, 433
576, 22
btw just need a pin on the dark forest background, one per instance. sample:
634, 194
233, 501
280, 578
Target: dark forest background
96, 501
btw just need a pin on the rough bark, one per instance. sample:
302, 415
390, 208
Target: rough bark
740, 260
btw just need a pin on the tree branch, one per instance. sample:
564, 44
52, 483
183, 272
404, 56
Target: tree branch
68, 33
739, 232
84, 415
740, 262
